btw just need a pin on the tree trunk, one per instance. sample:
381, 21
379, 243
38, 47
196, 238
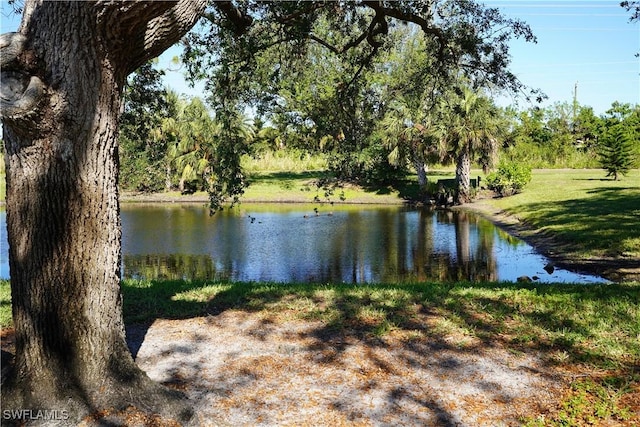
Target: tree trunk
422, 172
167, 177
63, 217
463, 177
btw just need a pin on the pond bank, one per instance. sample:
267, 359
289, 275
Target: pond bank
560, 253
355, 198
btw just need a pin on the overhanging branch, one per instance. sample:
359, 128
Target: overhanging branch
143, 30
240, 21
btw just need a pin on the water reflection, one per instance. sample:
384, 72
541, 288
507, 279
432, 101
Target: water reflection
286, 243
339, 244
170, 266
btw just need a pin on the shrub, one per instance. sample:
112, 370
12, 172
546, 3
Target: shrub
509, 179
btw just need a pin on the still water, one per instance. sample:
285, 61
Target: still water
307, 243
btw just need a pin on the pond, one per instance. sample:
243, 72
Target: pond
320, 243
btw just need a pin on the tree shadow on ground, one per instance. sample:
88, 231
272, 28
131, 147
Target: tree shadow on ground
285, 175
439, 327
609, 214
370, 311
406, 188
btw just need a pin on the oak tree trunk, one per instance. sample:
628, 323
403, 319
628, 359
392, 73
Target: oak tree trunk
63, 217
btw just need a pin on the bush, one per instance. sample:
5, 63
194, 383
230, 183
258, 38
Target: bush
509, 179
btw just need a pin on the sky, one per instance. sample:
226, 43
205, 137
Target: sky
590, 45
585, 49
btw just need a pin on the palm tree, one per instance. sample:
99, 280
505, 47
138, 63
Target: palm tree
472, 136
409, 136
194, 148
168, 133
208, 149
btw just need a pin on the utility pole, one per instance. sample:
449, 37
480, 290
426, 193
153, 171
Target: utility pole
575, 106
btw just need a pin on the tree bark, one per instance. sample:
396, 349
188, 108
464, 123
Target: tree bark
421, 170
463, 176
63, 217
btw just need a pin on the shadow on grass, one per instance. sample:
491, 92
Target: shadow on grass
544, 317
285, 175
441, 327
608, 220
406, 188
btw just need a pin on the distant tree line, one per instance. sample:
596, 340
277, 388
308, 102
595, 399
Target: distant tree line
569, 136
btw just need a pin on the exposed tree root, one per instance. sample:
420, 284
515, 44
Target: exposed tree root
137, 402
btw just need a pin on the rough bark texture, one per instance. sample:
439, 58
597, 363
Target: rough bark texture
463, 176
421, 170
62, 205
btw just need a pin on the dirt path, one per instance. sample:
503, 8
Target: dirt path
251, 369
242, 369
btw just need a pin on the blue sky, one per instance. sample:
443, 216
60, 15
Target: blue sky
588, 43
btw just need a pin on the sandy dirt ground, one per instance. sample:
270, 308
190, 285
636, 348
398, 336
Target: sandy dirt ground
244, 369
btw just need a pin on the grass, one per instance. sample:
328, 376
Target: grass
315, 185
593, 324
5, 304
590, 215
283, 160
596, 327
307, 187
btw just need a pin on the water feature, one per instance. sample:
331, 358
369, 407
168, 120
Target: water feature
319, 243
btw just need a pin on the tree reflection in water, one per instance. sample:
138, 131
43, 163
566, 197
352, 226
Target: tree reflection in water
353, 244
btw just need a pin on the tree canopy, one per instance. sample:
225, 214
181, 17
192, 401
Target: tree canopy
316, 66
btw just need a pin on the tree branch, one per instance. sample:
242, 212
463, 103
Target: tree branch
424, 24
325, 44
11, 45
19, 92
139, 31
296, 15
240, 22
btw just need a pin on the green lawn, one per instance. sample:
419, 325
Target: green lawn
594, 324
307, 187
592, 215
